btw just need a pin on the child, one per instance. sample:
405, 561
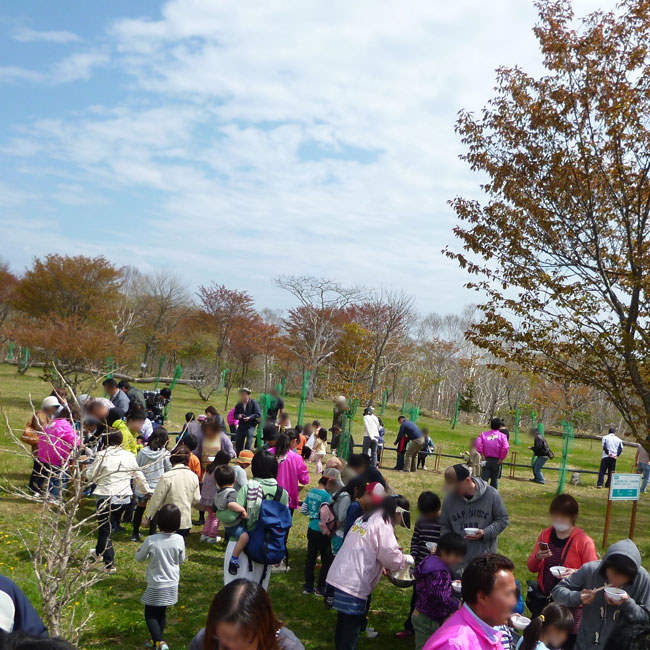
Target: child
372, 498
230, 513
427, 450
165, 552
320, 449
473, 459
284, 424
380, 442
550, 630
189, 443
434, 593
316, 541
208, 492
427, 529
307, 438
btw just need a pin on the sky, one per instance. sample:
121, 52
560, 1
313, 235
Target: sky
237, 141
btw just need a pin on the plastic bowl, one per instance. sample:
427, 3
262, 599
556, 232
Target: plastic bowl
471, 531
457, 586
520, 622
558, 571
431, 546
614, 593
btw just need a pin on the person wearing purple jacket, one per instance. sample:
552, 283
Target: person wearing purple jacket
493, 446
435, 599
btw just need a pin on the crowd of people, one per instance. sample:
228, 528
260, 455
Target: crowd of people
464, 594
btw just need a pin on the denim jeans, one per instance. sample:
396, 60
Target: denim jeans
644, 468
55, 479
370, 445
537, 464
244, 438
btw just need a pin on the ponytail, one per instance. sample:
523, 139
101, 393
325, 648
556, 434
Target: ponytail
553, 614
532, 633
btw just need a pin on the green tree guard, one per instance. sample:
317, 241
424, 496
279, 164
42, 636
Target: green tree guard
384, 399
110, 367
25, 360
266, 402
454, 419
540, 429
304, 391
10, 356
160, 365
517, 420
222, 381
567, 438
345, 443
414, 413
406, 392
178, 371
282, 387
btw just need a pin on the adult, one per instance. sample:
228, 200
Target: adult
642, 462
17, 614
561, 544
472, 503
369, 548
35, 427
292, 471
276, 408
211, 413
241, 616
612, 449
411, 431
247, 414
489, 595
338, 412
493, 446
55, 446
112, 472
212, 439
370, 435
118, 397
135, 395
180, 486
264, 485
601, 615
541, 453
346, 472
360, 465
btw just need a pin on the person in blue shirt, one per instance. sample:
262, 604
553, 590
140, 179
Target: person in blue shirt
17, 614
317, 542
411, 431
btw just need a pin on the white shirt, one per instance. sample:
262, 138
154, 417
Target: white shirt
371, 426
612, 446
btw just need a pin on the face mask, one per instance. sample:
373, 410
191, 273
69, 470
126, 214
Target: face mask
561, 526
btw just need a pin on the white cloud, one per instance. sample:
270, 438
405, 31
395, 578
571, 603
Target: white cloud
77, 66
14, 74
26, 35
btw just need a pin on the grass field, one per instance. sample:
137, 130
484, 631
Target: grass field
118, 620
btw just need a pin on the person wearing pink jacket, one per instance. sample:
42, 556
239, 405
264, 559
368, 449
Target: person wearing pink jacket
490, 594
55, 444
493, 446
369, 547
292, 470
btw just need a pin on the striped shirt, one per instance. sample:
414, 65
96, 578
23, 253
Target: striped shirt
426, 530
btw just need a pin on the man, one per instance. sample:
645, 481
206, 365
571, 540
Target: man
493, 446
136, 397
248, 414
360, 465
371, 435
276, 408
340, 407
118, 397
410, 430
489, 597
612, 449
472, 503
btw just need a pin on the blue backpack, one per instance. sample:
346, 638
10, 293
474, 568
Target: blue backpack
267, 543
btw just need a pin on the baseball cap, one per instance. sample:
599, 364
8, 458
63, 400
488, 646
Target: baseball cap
333, 474
376, 491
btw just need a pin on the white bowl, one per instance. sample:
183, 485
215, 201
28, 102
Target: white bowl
520, 622
457, 586
431, 546
558, 571
614, 593
471, 531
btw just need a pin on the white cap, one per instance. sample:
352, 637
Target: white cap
49, 402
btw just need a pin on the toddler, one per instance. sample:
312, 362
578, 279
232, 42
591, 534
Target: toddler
230, 513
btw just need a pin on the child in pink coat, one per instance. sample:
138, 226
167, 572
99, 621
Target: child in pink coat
292, 470
55, 445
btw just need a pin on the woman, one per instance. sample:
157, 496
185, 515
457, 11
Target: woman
369, 548
212, 440
241, 616
263, 485
541, 453
562, 544
601, 614
179, 486
292, 471
370, 435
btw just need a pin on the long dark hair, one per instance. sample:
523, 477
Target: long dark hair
246, 605
388, 507
553, 614
221, 458
282, 444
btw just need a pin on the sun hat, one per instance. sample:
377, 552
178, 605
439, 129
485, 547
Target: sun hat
245, 457
49, 402
244, 389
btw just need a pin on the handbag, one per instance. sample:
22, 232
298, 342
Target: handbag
536, 599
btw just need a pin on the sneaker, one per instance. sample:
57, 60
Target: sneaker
148, 644
136, 538
213, 540
163, 646
280, 568
233, 566
93, 557
110, 570
403, 634
308, 592
204, 538
371, 633
329, 602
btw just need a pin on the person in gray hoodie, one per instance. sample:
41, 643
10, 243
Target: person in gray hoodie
601, 615
472, 503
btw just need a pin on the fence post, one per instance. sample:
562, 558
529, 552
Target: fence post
513, 467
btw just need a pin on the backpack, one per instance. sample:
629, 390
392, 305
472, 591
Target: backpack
327, 522
267, 543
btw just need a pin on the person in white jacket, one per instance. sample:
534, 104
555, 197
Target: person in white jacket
371, 435
112, 472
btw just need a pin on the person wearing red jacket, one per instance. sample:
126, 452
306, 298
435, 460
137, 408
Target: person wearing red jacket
562, 544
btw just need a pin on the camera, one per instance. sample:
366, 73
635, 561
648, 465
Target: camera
157, 401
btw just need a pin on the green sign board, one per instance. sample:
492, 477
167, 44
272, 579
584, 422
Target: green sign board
625, 487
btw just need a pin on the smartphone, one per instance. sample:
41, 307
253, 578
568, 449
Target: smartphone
543, 546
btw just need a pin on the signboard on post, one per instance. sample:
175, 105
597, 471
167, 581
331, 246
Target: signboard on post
623, 487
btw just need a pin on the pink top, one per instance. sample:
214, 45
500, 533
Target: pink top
230, 418
463, 630
493, 444
56, 442
369, 547
291, 471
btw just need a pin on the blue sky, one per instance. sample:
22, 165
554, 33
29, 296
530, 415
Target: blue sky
237, 141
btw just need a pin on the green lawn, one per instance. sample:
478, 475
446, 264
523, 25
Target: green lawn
118, 618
